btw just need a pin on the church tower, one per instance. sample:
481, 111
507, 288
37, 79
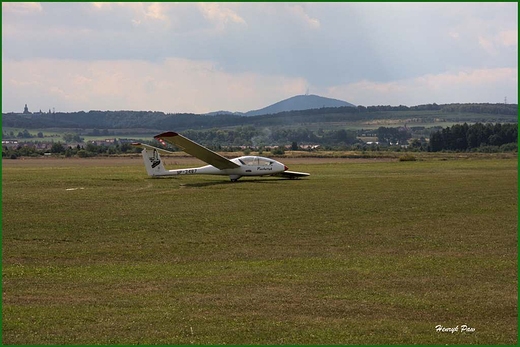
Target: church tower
26, 109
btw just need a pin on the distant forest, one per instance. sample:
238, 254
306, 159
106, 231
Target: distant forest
184, 121
469, 137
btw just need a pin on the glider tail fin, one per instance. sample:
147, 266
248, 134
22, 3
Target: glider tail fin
153, 162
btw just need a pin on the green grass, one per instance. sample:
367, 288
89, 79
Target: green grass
358, 253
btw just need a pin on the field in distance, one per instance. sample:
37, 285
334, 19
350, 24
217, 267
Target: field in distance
361, 252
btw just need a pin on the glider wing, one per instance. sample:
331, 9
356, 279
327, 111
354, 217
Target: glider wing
292, 174
197, 150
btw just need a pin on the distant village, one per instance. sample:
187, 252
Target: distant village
45, 143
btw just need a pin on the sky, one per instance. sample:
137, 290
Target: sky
203, 57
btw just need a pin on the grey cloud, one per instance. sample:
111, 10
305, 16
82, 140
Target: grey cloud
326, 44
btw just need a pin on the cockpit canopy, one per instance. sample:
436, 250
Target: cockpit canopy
255, 161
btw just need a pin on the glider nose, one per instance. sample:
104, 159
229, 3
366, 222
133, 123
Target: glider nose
285, 168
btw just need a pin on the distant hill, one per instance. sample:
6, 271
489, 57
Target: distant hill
299, 103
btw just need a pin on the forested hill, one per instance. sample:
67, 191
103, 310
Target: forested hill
179, 122
299, 103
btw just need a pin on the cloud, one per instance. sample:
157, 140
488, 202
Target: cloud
472, 85
488, 45
220, 14
173, 85
474, 78
508, 38
21, 7
181, 85
454, 35
254, 50
156, 10
299, 11
503, 39
138, 11
101, 5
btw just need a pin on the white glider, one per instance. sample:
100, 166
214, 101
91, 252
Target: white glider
218, 165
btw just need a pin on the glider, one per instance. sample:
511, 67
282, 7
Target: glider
218, 165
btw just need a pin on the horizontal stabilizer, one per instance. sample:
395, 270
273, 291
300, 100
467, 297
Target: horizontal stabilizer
145, 146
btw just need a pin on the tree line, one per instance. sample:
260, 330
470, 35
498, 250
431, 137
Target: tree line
261, 137
469, 137
59, 148
183, 121
511, 109
25, 134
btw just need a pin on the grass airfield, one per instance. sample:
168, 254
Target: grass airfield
364, 251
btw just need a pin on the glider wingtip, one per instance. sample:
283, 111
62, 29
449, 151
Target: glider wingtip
166, 134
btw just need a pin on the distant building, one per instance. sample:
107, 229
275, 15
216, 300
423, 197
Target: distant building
9, 143
309, 147
26, 110
103, 142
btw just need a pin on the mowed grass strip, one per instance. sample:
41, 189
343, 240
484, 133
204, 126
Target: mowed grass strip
358, 253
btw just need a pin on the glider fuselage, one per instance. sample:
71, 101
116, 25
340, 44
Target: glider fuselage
248, 166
